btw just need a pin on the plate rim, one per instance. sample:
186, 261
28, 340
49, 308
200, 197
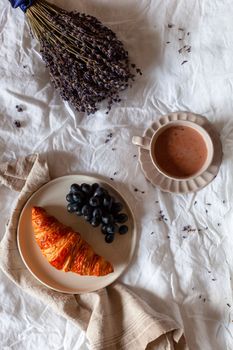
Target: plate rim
134, 231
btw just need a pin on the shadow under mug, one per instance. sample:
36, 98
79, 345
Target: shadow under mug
149, 144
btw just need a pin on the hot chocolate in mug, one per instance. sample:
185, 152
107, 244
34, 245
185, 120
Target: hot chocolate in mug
180, 150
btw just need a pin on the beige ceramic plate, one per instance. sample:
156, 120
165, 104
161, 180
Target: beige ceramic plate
52, 197
181, 186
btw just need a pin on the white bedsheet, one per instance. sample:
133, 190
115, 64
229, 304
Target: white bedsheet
187, 276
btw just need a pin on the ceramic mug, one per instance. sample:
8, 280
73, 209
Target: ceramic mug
149, 144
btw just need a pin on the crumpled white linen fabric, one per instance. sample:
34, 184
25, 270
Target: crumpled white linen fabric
187, 275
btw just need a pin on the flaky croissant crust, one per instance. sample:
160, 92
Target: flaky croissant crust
64, 248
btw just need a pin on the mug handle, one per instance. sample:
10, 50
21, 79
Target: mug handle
143, 142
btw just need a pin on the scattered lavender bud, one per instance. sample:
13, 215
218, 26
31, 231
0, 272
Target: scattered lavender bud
19, 108
17, 123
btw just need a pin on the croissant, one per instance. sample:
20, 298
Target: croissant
64, 248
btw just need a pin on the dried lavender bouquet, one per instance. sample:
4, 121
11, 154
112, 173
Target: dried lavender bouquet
87, 62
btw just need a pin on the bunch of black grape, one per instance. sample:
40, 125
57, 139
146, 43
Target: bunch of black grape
98, 208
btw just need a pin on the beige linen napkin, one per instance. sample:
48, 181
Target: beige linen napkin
113, 317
